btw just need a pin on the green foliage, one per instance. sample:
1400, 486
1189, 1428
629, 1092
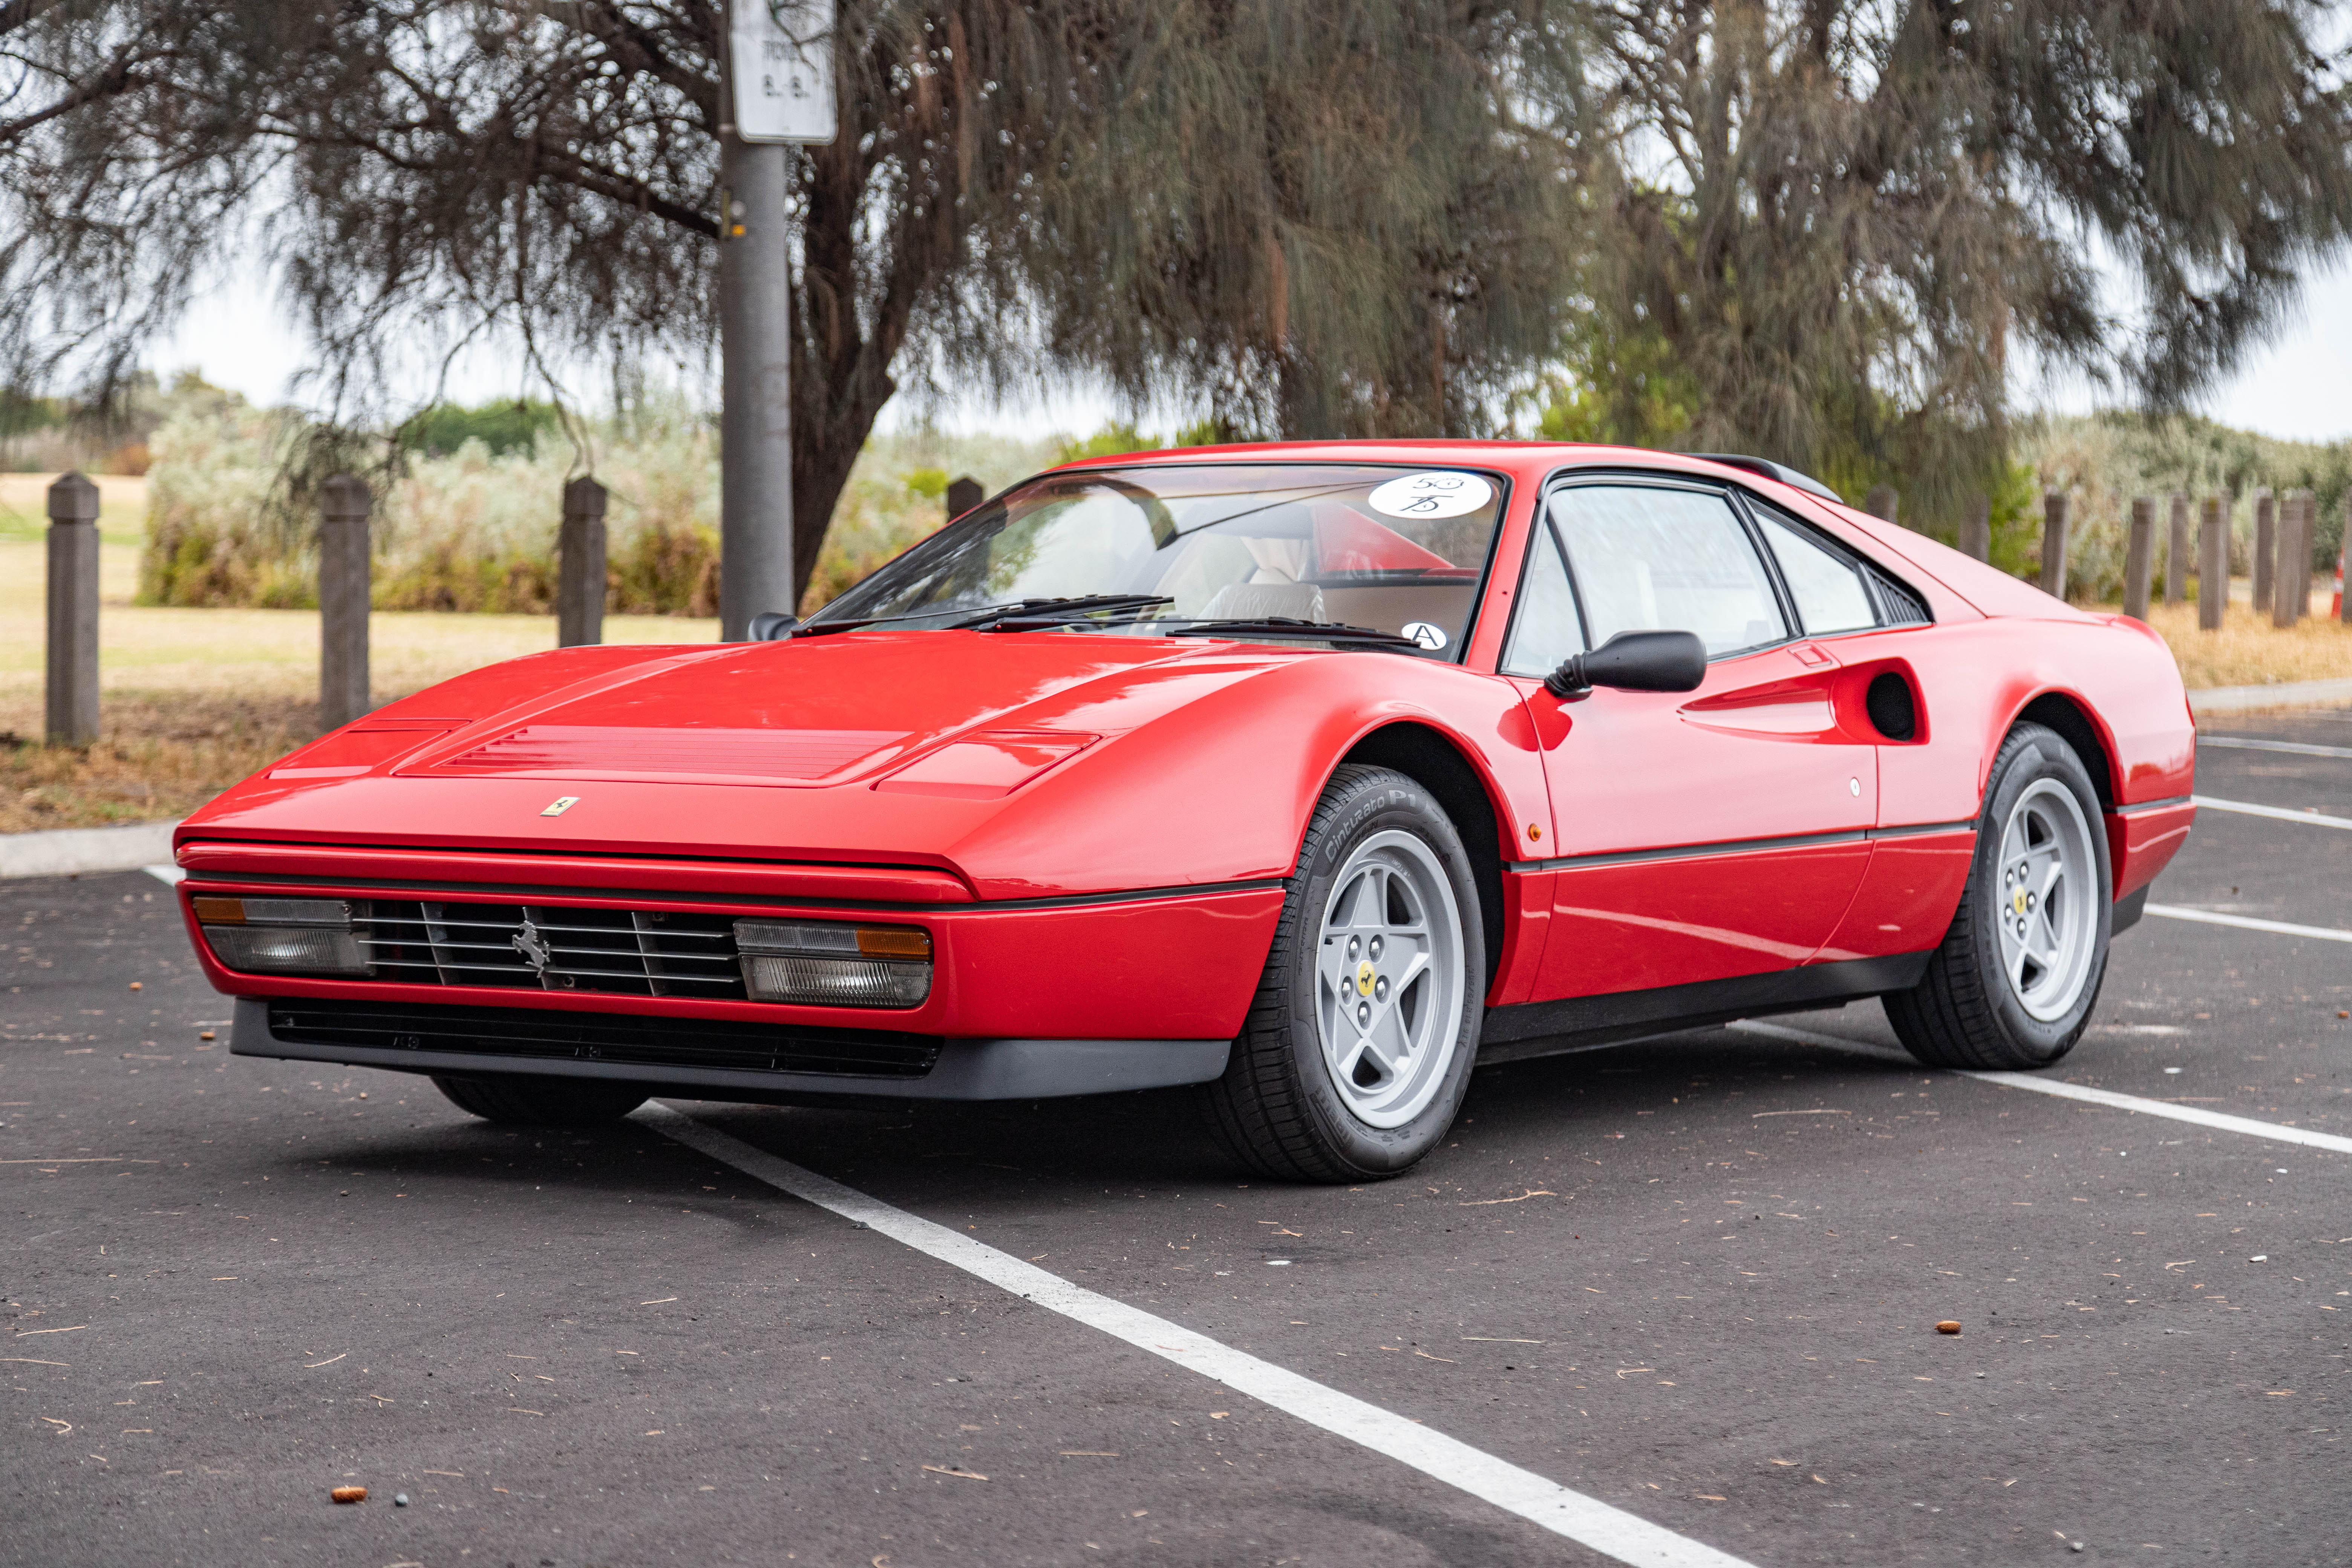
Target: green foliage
931, 484
1117, 438
502, 425
2106, 460
1624, 389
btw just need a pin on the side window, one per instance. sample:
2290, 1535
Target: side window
1547, 630
1654, 559
1827, 587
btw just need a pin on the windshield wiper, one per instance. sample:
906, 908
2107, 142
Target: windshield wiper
1287, 626
1042, 615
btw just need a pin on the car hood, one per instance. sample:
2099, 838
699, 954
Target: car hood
865, 748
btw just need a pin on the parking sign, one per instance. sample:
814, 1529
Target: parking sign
783, 66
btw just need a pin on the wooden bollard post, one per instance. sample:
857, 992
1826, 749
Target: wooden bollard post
963, 494
579, 565
1880, 502
2054, 542
2290, 590
2265, 572
72, 716
2176, 551
343, 506
2343, 559
2212, 564
2139, 557
1976, 533
2306, 527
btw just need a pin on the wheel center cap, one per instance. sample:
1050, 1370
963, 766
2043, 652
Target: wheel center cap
1364, 978
2017, 901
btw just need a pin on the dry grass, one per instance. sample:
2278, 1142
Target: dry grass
192, 700
2248, 650
122, 506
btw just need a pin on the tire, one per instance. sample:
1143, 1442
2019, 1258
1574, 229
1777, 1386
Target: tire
1382, 869
1992, 998
542, 1101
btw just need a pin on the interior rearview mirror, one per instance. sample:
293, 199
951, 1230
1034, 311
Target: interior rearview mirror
1634, 661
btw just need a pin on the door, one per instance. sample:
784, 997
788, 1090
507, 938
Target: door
1702, 835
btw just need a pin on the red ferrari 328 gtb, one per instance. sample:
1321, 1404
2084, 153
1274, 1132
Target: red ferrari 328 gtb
1313, 775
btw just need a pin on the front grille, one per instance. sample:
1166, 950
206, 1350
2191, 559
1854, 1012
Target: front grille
605, 1038
552, 947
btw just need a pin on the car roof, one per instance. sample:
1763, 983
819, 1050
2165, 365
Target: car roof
1527, 461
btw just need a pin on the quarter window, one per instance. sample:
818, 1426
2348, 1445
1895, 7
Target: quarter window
1827, 587
1650, 558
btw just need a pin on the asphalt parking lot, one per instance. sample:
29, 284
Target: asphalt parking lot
1694, 1278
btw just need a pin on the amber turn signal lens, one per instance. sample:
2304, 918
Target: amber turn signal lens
220, 911
894, 941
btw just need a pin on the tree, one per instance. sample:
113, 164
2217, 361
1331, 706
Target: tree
1836, 220
1208, 199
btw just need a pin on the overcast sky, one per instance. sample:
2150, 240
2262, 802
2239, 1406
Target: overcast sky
2299, 387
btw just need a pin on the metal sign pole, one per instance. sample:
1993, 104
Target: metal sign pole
779, 65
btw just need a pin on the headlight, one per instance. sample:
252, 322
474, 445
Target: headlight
835, 965
283, 936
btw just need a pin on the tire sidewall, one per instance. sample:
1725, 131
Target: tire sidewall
1377, 802
2033, 755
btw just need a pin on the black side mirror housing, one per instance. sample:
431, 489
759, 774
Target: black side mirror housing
1634, 661
772, 626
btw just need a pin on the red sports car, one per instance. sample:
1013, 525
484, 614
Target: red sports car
1310, 775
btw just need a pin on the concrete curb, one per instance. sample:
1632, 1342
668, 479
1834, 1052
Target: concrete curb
66, 851
2254, 698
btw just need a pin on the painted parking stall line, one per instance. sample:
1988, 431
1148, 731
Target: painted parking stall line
1610, 1530
2295, 748
2276, 813
2248, 922
2218, 1120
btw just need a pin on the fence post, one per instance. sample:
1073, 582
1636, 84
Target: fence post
2139, 557
1976, 533
343, 505
2054, 542
2176, 551
2306, 530
1880, 501
2294, 546
72, 719
2265, 572
2212, 564
579, 565
2343, 559
963, 494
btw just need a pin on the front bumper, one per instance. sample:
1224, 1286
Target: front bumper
679, 1056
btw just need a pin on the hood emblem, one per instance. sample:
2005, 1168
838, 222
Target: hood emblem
533, 947
563, 803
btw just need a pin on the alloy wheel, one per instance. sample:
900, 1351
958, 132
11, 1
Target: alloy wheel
1389, 979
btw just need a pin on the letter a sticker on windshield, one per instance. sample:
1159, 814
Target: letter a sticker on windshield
1435, 493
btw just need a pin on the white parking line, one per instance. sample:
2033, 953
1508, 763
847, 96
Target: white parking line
2247, 808
2300, 748
1612, 1531
2213, 1119
2248, 922
171, 876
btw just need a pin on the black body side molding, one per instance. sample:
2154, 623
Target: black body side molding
1579, 1023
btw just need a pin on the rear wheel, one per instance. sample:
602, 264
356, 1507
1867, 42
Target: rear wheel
2016, 975
542, 1101
1361, 1041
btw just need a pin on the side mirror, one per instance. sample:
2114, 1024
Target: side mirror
770, 626
1634, 661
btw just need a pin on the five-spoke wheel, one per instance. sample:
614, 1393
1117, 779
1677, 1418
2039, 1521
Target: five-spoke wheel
2016, 977
1365, 1026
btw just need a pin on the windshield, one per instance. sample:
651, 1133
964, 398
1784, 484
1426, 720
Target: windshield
1252, 546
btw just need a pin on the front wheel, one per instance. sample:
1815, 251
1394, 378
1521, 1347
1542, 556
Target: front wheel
2016, 975
1361, 1041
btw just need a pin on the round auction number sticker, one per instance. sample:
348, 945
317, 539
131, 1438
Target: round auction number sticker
1432, 494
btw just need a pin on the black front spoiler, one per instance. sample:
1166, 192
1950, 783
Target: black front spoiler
965, 1069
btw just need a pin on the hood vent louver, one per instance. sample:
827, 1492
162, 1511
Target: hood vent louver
650, 751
